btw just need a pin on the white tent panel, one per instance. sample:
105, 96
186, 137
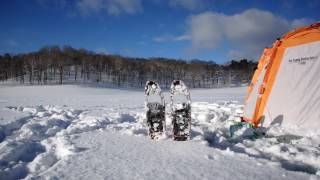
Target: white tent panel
253, 96
295, 97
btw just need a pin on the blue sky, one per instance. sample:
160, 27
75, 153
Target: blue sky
218, 30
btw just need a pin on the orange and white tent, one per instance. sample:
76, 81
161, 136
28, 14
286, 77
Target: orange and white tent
285, 87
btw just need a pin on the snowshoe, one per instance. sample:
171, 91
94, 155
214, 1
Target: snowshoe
155, 111
181, 112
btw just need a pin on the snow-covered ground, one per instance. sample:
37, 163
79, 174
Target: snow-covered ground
81, 132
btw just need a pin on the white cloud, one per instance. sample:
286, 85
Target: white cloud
12, 43
205, 30
182, 38
301, 22
102, 51
112, 7
161, 39
240, 54
235, 54
247, 32
142, 43
171, 38
187, 4
52, 3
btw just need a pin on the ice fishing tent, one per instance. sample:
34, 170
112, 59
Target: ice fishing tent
285, 87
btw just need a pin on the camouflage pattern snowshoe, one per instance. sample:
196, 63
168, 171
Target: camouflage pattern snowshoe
155, 111
181, 112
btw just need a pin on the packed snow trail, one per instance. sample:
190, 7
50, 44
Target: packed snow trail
82, 133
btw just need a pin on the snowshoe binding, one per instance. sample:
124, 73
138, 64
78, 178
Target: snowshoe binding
181, 111
155, 111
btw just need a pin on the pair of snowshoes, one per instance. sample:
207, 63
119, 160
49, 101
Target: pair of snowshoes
180, 112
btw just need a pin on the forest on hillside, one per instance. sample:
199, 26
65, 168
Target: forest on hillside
67, 65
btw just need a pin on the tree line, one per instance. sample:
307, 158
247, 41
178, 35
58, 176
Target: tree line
67, 65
